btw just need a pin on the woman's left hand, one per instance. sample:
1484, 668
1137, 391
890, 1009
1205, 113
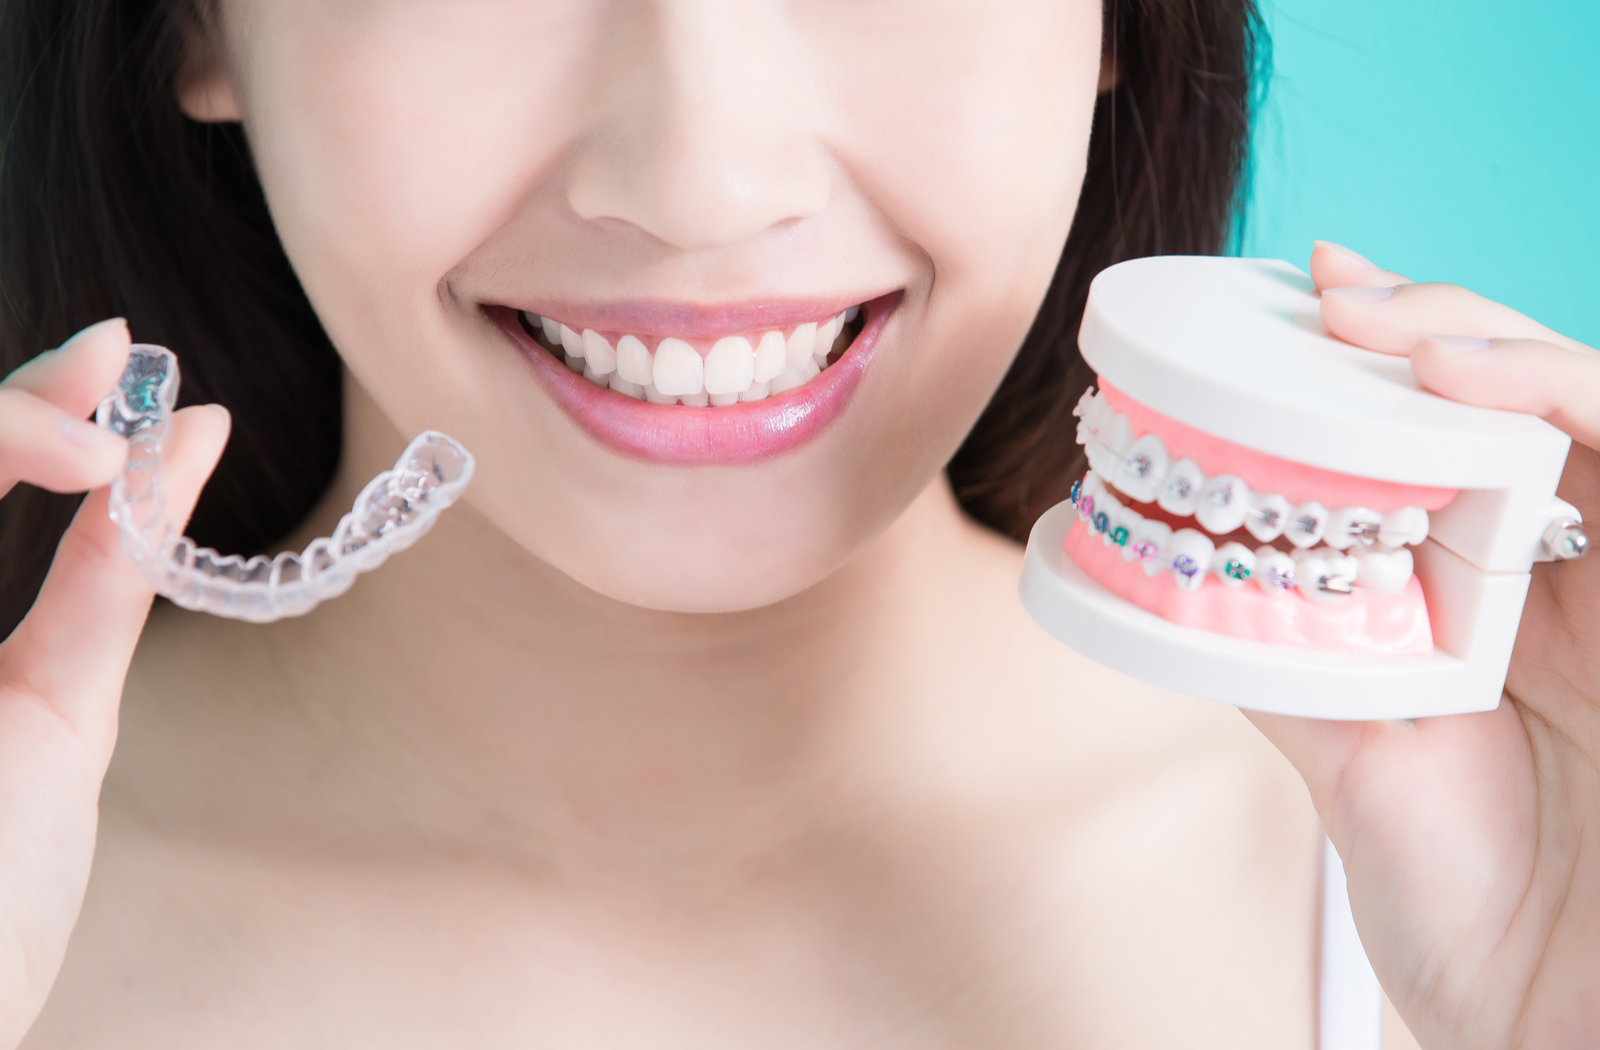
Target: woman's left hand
1472, 842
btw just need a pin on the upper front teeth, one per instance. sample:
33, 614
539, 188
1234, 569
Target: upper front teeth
735, 368
1142, 467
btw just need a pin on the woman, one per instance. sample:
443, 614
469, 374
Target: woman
694, 725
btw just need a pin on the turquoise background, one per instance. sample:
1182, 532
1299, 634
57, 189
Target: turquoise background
1450, 140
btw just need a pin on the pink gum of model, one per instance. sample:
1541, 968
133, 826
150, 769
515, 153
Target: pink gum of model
1295, 482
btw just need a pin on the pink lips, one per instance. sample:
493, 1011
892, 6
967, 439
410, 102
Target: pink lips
686, 435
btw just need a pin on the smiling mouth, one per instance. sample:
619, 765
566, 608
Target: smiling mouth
680, 370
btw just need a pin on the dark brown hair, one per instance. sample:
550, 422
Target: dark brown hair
113, 203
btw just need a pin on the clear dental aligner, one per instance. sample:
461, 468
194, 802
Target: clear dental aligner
735, 369
1362, 548
395, 509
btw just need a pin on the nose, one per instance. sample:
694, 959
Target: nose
705, 132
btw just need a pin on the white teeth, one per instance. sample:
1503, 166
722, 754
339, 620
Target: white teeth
1349, 525
789, 379
633, 361
1306, 524
1117, 439
730, 366
1190, 556
1275, 571
772, 357
800, 344
1409, 525
1113, 514
1325, 576
851, 314
1123, 527
602, 358
1181, 488
678, 370
1234, 563
1321, 574
1152, 544
1224, 502
735, 369
571, 342
1385, 571
1141, 473
1268, 515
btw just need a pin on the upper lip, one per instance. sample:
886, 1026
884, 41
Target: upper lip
689, 320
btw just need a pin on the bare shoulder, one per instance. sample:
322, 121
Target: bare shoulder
1175, 851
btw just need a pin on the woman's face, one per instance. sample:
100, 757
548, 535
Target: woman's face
674, 169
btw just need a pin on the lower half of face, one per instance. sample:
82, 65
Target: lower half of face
711, 290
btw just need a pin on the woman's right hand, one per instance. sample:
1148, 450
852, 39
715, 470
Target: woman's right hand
62, 669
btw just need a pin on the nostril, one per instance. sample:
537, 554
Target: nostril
693, 198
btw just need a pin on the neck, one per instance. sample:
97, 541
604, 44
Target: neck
470, 682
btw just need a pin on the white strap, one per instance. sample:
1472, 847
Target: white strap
1350, 1007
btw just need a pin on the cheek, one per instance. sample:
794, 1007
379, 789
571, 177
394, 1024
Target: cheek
975, 144
393, 138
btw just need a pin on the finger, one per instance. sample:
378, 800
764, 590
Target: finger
1556, 383
1319, 750
72, 649
45, 446
76, 377
1335, 266
1391, 320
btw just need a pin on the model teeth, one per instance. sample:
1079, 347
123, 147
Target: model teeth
733, 369
1317, 573
1274, 572
1223, 505
1405, 527
1383, 571
1181, 491
1307, 523
1325, 575
1353, 526
1234, 564
1269, 513
1142, 468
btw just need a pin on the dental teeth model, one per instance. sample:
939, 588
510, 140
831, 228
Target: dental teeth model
734, 369
395, 509
1224, 505
1279, 520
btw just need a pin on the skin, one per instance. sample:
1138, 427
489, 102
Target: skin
558, 778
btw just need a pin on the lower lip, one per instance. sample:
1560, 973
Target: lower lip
692, 435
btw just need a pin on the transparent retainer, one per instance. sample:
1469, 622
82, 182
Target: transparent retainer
395, 509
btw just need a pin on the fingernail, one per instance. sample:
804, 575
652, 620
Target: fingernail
1342, 251
97, 326
1463, 342
81, 433
1359, 293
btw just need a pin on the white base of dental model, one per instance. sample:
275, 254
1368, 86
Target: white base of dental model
1236, 348
391, 514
